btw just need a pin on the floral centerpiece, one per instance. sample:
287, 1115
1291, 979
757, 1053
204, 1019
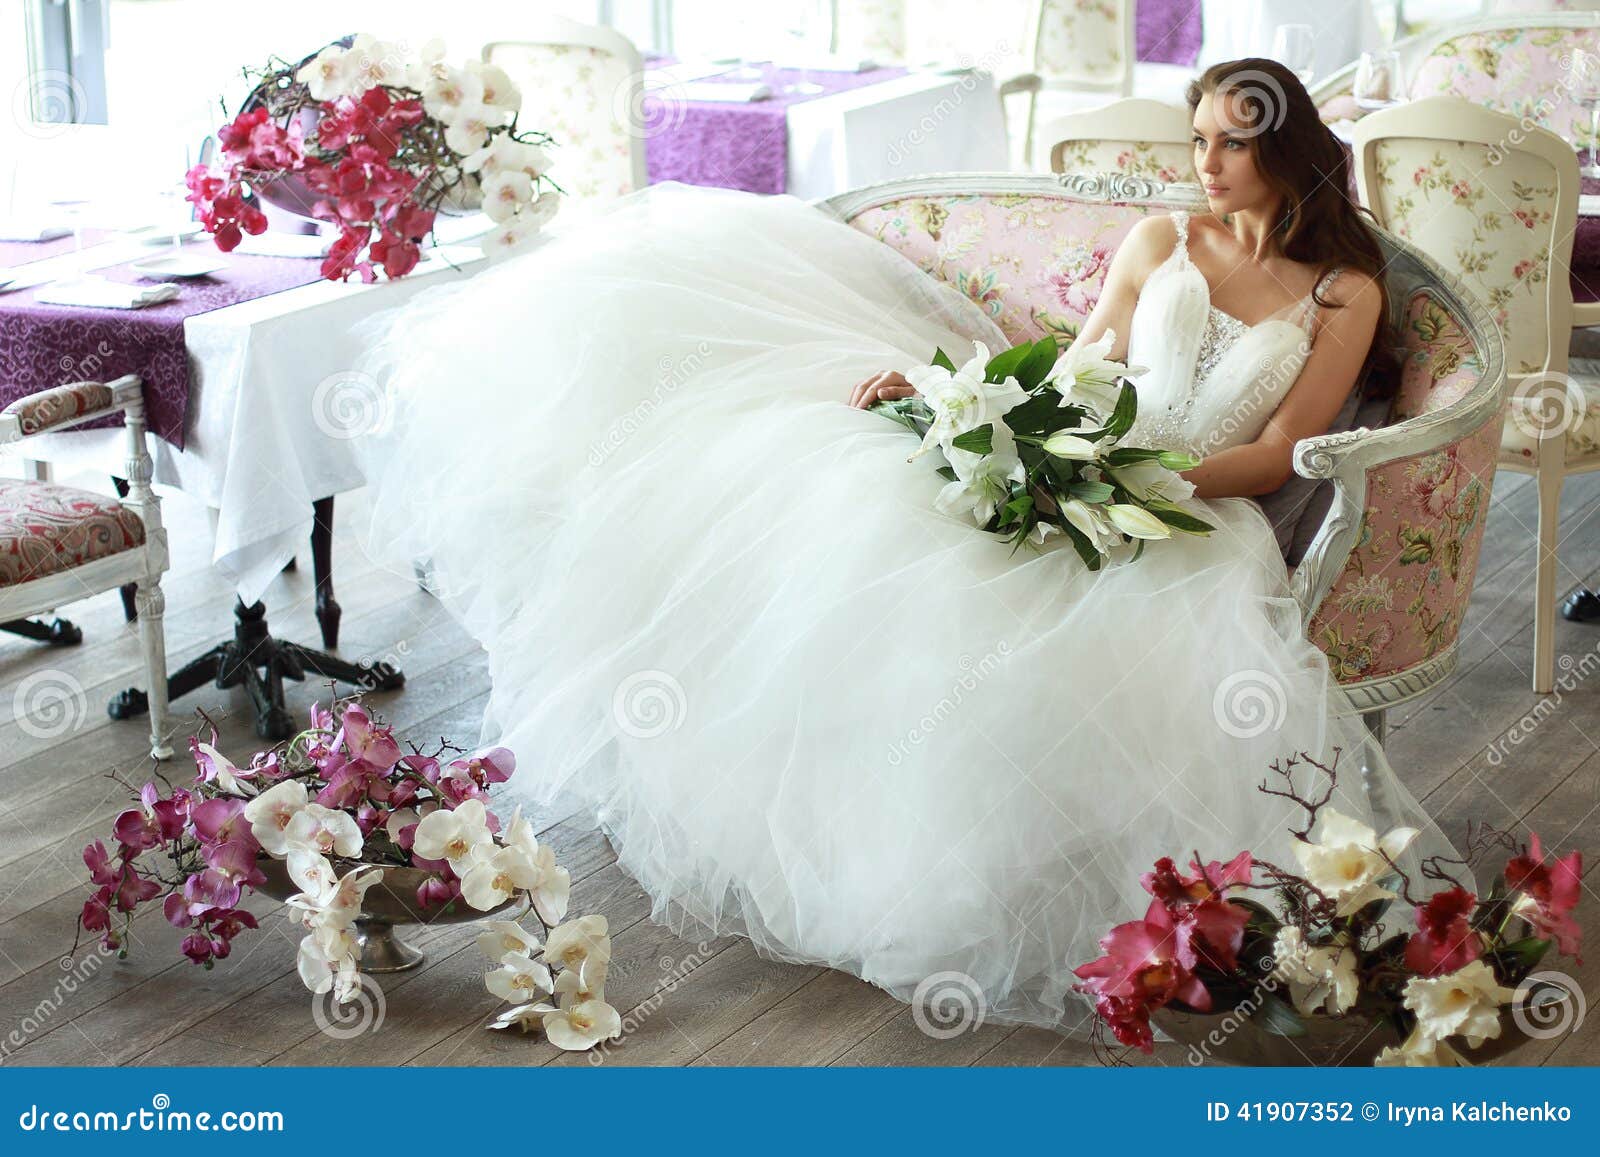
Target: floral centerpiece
1336, 942
341, 810
1033, 446
384, 142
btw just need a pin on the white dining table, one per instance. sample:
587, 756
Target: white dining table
277, 404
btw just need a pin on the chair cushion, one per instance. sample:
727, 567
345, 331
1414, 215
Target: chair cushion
1537, 405
46, 529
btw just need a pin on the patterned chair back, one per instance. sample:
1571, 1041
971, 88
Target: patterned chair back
583, 86
1134, 137
1384, 585
1086, 44
994, 36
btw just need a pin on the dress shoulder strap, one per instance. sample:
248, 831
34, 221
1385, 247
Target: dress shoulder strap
1321, 288
1180, 222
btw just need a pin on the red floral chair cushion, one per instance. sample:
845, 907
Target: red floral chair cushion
46, 529
59, 406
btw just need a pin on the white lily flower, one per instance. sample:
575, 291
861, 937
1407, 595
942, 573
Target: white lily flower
1321, 978
1463, 1003
586, 982
1347, 859
1085, 376
507, 937
496, 877
315, 828
518, 979
1136, 521
1042, 531
527, 1017
962, 400
1090, 522
1064, 445
270, 812
569, 945
1419, 1051
1150, 479
582, 1026
328, 75
983, 481
453, 835
504, 195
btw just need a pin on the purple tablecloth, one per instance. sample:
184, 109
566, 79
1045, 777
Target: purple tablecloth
735, 146
1586, 248
46, 345
14, 253
1169, 31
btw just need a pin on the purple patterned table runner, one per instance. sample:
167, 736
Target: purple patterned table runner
45, 345
1169, 31
736, 146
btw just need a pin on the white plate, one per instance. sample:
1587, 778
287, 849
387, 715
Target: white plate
178, 265
163, 234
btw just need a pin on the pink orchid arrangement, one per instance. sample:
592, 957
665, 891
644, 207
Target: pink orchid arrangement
382, 142
1329, 949
339, 804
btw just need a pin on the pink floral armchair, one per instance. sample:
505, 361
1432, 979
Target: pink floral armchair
1386, 580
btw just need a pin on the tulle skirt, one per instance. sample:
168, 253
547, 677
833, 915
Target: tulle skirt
723, 616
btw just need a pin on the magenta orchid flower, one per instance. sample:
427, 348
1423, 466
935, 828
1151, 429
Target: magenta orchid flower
1551, 892
1444, 940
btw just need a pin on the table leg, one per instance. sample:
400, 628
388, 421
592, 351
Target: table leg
130, 612
328, 610
57, 632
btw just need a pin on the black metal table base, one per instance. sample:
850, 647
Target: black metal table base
256, 661
1581, 606
56, 632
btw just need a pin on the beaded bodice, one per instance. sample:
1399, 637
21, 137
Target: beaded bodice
1213, 380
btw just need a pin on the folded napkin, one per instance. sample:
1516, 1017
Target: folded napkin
730, 93
829, 63
682, 73
98, 293
270, 244
32, 231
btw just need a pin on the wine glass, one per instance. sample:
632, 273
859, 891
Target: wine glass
1584, 82
803, 38
1377, 80
1294, 46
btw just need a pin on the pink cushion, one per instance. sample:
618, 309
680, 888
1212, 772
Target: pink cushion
46, 529
60, 406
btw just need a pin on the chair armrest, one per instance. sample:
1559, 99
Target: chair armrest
1022, 82
67, 405
1585, 314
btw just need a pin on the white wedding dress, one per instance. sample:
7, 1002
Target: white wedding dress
723, 616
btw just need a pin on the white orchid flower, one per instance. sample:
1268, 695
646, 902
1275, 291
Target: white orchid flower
1463, 1003
504, 195
428, 65
351, 891
328, 75
454, 835
527, 1017
573, 943
1149, 479
518, 979
314, 828
1321, 977
1347, 859
983, 481
499, 90
495, 878
504, 154
398, 821
227, 772
372, 62
586, 982
511, 237
962, 400
1086, 376
468, 131
447, 91
1136, 521
321, 971
1419, 1051
554, 890
1090, 522
507, 937
270, 812
313, 875
582, 1026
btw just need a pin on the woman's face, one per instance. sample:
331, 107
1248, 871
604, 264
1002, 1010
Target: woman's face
1224, 159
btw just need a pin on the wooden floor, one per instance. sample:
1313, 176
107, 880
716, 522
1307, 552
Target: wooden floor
711, 1003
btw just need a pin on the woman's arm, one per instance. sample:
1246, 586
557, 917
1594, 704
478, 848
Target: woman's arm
1313, 402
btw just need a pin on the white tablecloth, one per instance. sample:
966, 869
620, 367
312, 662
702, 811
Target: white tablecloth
923, 122
1342, 29
274, 408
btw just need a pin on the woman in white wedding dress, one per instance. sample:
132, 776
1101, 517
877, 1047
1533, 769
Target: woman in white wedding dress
724, 618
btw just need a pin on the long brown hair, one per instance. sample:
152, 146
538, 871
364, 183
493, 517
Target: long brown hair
1300, 159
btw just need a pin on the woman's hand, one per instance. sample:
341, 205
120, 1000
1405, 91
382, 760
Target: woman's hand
885, 387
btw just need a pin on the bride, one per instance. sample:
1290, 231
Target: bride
725, 621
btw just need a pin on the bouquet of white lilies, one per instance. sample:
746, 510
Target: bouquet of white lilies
1032, 445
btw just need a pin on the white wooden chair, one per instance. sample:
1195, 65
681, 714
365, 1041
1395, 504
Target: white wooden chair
584, 85
1135, 137
59, 544
1495, 202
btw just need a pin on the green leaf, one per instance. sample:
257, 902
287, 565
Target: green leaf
979, 441
948, 474
1178, 518
1040, 358
1122, 417
1042, 415
1128, 455
1004, 365
940, 358
1277, 1018
1522, 955
1091, 491
1086, 551
1018, 507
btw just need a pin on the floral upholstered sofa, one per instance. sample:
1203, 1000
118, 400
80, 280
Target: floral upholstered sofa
1385, 582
